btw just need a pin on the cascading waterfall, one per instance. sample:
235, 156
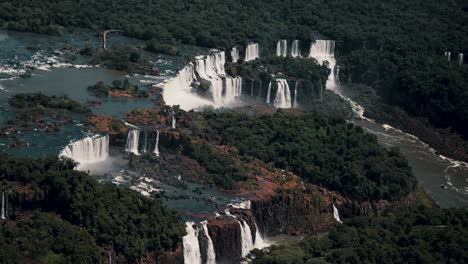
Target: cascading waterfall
233, 88
336, 215
460, 58
3, 216
282, 48
252, 52
191, 246
133, 139
324, 52
448, 54
246, 237
295, 93
295, 51
156, 145
235, 54
283, 94
88, 150
260, 89
211, 68
268, 93
179, 91
210, 253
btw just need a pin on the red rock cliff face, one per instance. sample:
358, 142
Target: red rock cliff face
226, 236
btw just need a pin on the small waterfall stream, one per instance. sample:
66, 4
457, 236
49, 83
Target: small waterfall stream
295, 94
246, 237
3, 215
235, 54
295, 51
336, 214
156, 145
133, 139
173, 123
210, 252
282, 48
268, 93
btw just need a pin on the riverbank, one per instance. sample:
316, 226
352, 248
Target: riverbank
445, 141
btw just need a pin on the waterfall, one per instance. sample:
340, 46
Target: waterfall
295, 93
156, 146
191, 246
268, 93
146, 141
133, 138
259, 242
246, 237
235, 54
295, 52
210, 253
252, 88
211, 69
3, 216
110, 257
324, 52
336, 215
448, 54
260, 89
460, 58
233, 89
173, 122
251, 52
179, 91
282, 48
283, 94
87, 150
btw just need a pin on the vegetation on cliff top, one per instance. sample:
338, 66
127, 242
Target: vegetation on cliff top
102, 89
324, 151
417, 236
83, 213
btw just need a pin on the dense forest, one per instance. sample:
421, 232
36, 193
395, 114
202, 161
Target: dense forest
322, 150
396, 46
58, 214
418, 236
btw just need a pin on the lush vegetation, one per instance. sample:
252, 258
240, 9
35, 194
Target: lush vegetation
396, 47
327, 151
35, 100
122, 58
102, 89
107, 216
419, 236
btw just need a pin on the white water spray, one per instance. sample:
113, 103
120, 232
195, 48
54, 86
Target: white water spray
88, 150
460, 58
